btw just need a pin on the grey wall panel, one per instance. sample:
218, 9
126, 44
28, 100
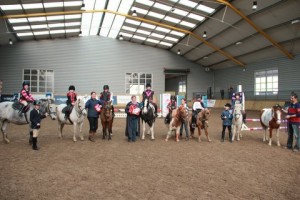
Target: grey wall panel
91, 62
288, 75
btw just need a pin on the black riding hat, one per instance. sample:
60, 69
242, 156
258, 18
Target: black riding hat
148, 85
105, 87
26, 83
71, 87
198, 97
173, 97
36, 102
228, 105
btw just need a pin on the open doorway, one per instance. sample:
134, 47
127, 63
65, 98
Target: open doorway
176, 81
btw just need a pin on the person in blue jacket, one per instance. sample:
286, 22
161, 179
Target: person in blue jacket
93, 106
226, 116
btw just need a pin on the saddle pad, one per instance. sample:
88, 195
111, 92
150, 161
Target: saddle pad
17, 105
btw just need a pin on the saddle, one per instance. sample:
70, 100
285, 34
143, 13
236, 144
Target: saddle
67, 109
18, 106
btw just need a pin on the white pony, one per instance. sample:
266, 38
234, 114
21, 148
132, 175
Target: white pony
76, 118
8, 114
237, 121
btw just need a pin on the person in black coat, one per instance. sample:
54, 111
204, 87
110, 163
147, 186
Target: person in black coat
94, 107
35, 119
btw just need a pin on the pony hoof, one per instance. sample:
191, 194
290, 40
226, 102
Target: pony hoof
270, 144
7, 141
166, 140
74, 140
209, 140
82, 139
278, 145
152, 139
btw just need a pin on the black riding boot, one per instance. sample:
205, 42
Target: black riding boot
167, 119
194, 119
155, 113
223, 136
244, 118
30, 137
34, 143
21, 110
230, 136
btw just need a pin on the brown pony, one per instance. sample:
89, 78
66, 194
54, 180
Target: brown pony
107, 119
178, 115
201, 123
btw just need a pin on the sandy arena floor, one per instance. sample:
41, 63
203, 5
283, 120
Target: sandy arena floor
62, 169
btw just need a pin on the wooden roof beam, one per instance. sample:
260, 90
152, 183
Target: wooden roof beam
268, 37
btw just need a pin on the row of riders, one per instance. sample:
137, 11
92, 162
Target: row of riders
177, 119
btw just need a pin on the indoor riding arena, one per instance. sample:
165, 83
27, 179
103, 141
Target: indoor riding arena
94, 94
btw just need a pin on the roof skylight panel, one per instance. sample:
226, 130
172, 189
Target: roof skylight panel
39, 26
152, 40
41, 32
146, 25
118, 22
96, 19
172, 19
145, 2
134, 22
139, 10
72, 3
106, 25
205, 9
129, 28
17, 28
165, 30
196, 17
157, 35
188, 3
36, 19
57, 31
177, 33
32, 6
171, 39
156, 15
162, 6
143, 32
24, 34
77, 16
126, 34
180, 12
72, 30
62, 4
113, 5
11, 7
125, 6
17, 20
139, 37
166, 44
86, 19
188, 24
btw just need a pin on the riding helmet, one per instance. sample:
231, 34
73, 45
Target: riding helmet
26, 83
148, 85
173, 97
71, 87
105, 87
198, 97
228, 105
36, 103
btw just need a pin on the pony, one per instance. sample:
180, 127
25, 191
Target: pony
178, 115
76, 118
271, 118
9, 113
107, 120
201, 123
237, 122
148, 116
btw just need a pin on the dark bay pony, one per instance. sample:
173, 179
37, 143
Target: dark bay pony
8, 114
201, 123
270, 118
107, 119
148, 117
